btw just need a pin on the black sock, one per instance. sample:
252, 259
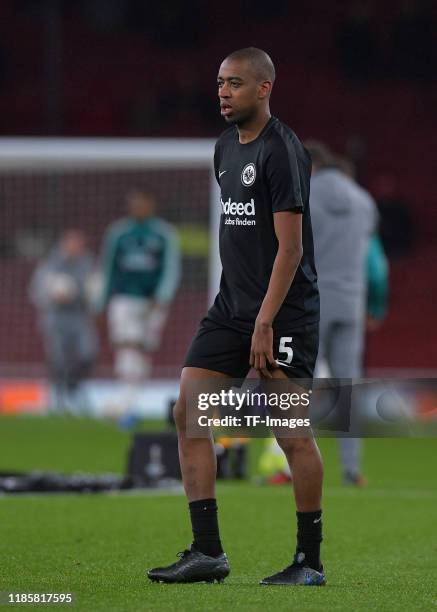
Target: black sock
309, 537
204, 522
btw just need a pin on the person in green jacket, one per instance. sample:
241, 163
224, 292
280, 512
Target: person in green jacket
141, 268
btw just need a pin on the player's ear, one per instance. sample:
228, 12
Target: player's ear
264, 90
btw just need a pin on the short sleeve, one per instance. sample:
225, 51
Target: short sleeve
283, 177
216, 162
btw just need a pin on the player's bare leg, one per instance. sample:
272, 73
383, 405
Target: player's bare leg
196, 455
205, 561
132, 366
306, 465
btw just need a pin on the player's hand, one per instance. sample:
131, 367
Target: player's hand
261, 350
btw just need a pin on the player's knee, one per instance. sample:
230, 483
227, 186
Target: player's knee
295, 445
131, 365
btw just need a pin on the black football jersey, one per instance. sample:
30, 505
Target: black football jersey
267, 175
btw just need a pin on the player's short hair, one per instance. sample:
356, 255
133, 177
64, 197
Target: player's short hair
321, 154
261, 63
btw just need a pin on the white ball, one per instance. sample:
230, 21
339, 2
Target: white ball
392, 407
62, 287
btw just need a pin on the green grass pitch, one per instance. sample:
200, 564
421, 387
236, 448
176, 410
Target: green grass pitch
380, 546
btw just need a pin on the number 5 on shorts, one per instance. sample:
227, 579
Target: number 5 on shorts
283, 348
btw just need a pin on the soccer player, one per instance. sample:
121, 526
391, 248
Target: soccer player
267, 309
141, 271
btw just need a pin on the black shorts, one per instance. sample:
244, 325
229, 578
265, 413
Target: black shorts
225, 350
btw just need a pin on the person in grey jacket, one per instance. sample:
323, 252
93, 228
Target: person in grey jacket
344, 218
59, 291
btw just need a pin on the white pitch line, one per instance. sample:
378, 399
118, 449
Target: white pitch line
369, 492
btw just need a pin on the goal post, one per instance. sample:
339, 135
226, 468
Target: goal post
48, 185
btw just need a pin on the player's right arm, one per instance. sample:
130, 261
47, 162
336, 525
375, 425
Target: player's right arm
107, 265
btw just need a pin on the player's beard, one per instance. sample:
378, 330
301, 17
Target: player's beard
240, 119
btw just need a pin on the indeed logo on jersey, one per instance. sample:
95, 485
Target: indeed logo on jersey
239, 210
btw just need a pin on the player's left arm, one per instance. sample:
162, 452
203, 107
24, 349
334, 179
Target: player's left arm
288, 229
283, 175
171, 270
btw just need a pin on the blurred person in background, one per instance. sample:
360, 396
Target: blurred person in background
376, 263
346, 248
59, 291
141, 268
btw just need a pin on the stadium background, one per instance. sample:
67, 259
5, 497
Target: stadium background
128, 69
360, 76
